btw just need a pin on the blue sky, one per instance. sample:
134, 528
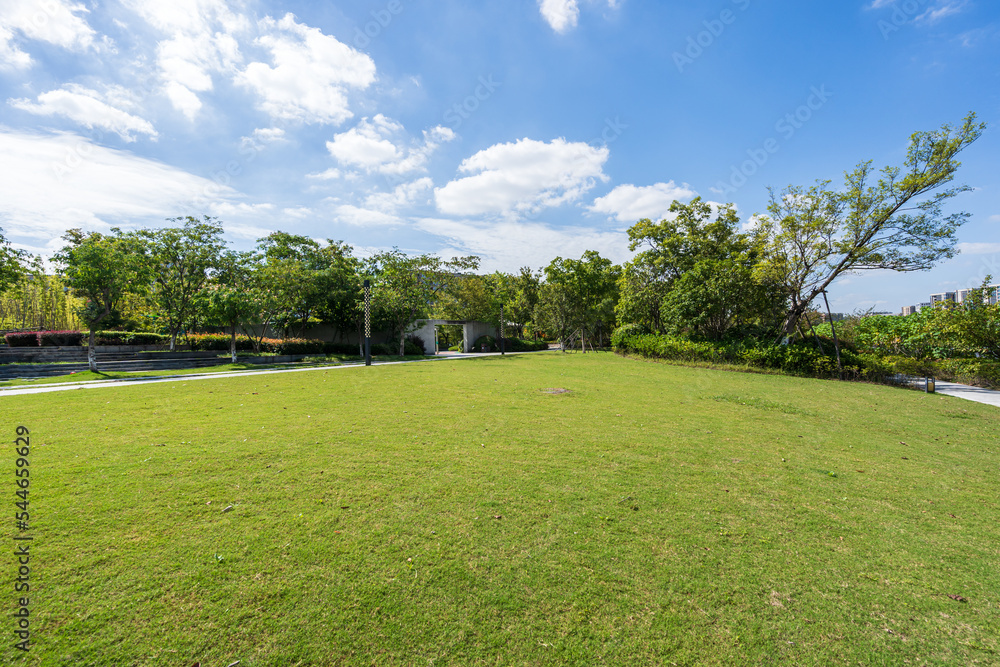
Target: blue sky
516, 130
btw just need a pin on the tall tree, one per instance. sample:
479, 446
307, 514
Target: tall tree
341, 302
230, 298
103, 269
694, 232
581, 294
12, 263
895, 222
181, 260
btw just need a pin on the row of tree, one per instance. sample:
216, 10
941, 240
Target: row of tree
698, 272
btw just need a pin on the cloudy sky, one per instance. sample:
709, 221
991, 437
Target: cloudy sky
516, 130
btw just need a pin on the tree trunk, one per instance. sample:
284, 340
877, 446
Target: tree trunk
836, 343
173, 340
402, 345
819, 343
232, 344
92, 352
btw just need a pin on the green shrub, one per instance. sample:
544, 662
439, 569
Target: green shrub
352, 349
392, 349
799, 358
486, 344
620, 336
522, 345
299, 346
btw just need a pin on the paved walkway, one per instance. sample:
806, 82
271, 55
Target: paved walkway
977, 394
150, 379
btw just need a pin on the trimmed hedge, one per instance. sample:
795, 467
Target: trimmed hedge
22, 339
299, 346
127, 338
220, 343
44, 339
510, 345
60, 338
392, 350
352, 349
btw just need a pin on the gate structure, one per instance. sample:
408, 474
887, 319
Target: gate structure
471, 330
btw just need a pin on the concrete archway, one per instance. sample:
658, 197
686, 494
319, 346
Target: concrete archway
471, 330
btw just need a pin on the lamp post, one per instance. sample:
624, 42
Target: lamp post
368, 323
503, 334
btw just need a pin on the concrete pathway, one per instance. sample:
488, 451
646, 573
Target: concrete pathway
151, 379
977, 394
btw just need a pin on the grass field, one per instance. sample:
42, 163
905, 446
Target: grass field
463, 513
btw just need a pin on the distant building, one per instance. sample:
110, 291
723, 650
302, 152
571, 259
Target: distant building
942, 297
992, 294
910, 310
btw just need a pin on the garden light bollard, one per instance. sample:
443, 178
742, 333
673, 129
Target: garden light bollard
368, 323
929, 385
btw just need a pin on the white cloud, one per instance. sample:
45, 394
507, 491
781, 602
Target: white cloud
978, 248
404, 195
201, 42
52, 182
362, 217
57, 22
298, 212
509, 244
994, 218
328, 175
561, 15
935, 14
11, 57
522, 177
241, 209
269, 134
366, 146
374, 146
311, 75
90, 109
629, 203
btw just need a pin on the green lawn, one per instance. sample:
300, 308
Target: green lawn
456, 514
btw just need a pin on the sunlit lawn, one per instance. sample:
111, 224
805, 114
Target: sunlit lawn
459, 514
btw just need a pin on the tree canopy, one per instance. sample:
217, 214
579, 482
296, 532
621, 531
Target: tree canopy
893, 221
